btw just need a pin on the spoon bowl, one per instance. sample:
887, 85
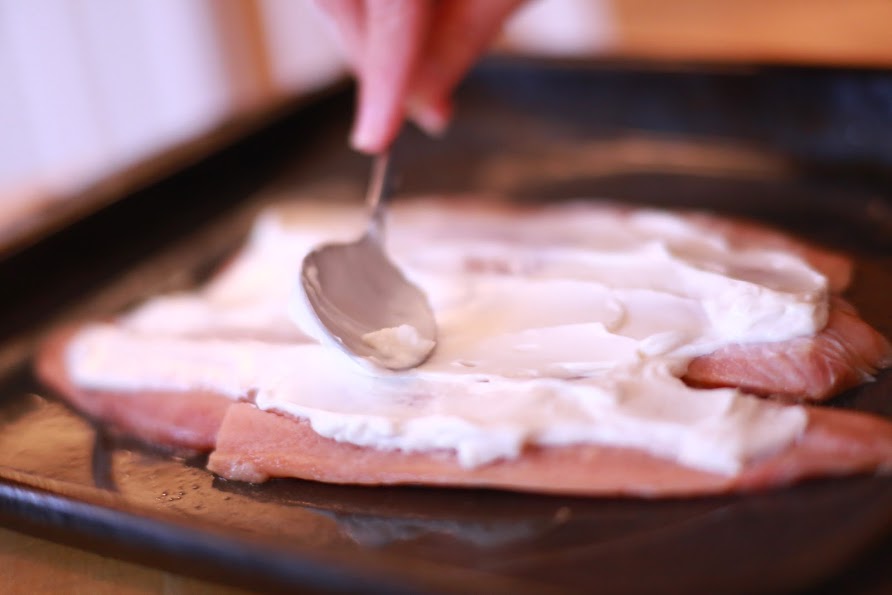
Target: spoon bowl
362, 301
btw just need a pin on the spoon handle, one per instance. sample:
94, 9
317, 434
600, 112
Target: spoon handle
378, 194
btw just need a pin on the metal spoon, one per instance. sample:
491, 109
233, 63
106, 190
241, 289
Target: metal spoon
362, 300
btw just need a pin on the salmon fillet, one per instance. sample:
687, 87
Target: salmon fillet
255, 445
248, 444
846, 353
180, 421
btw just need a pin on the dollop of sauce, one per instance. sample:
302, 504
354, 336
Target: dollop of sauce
398, 347
564, 325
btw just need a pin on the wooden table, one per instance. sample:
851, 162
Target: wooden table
35, 566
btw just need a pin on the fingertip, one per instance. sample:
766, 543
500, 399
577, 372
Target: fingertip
362, 141
370, 133
393, 41
433, 118
460, 34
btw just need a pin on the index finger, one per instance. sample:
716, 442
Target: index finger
393, 41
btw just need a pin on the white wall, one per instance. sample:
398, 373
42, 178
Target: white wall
88, 86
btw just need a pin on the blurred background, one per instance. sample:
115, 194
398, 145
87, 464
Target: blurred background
91, 86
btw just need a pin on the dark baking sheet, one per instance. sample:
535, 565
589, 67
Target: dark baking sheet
782, 146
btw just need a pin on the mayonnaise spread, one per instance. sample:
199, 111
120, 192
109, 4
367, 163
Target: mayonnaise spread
564, 325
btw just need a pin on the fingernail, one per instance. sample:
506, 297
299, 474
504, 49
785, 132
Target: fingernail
434, 120
366, 133
361, 137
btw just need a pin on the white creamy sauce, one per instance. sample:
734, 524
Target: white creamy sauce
398, 347
571, 325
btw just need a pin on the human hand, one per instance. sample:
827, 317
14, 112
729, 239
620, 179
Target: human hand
408, 56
